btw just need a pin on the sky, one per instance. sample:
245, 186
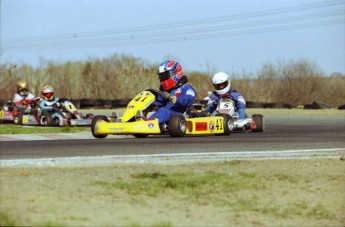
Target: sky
234, 36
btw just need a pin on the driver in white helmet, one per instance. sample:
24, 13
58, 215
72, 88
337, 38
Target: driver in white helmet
48, 100
223, 88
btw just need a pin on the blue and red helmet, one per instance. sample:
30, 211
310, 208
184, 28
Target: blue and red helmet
169, 73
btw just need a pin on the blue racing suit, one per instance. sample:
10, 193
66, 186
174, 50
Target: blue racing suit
240, 103
46, 105
185, 96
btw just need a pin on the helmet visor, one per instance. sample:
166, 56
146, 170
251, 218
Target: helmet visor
166, 75
48, 95
221, 86
23, 91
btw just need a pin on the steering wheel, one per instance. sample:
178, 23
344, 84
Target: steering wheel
155, 92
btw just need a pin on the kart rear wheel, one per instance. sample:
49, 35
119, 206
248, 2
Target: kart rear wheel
93, 124
177, 126
228, 124
259, 122
18, 119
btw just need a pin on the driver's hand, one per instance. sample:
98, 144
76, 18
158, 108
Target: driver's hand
167, 96
56, 105
172, 99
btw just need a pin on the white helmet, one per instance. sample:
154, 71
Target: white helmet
221, 82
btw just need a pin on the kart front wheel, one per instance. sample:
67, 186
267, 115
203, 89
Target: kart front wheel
228, 124
259, 123
18, 119
93, 125
177, 126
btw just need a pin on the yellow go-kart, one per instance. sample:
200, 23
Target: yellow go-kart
136, 121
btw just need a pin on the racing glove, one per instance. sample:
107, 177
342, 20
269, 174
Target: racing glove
56, 105
167, 96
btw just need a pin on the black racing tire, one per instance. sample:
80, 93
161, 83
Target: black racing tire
18, 119
228, 124
93, 124
89, 116
177, 126
48, 120
140, 135
259, 121
56, 121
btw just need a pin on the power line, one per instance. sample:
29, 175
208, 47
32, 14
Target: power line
239, 27
278, 11
91, 38
156, 40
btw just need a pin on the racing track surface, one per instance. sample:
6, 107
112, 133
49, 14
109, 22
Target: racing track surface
305, 134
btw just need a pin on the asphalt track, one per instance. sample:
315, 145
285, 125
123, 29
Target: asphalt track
305, 136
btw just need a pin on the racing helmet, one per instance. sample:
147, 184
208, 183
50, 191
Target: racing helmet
221, 82
169, 73
23, 88
48, 92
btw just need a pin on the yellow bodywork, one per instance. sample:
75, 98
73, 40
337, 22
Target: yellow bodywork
121, 128
194, 126
139, 102
70, 107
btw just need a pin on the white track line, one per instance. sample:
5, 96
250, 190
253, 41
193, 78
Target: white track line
179, 157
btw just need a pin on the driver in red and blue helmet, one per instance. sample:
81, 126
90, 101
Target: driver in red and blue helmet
176, 94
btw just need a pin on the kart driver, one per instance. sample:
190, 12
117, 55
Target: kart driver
176, 94
22, 97
48, 100
223, 88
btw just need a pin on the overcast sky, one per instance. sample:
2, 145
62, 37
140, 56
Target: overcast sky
205, 35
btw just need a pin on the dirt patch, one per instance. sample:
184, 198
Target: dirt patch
246, 193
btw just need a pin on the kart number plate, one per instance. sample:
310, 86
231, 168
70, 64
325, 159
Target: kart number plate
225, 105
25, 119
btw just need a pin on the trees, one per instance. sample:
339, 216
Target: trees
117, 77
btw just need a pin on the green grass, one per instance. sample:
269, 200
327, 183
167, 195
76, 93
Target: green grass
19, 129
199, 188
254, 193
6, 220
219, 189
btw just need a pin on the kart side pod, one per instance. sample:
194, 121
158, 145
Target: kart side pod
221, 124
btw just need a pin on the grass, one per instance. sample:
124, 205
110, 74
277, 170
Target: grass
6, 220
198, 188
19, 129
229, 193
218, 189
